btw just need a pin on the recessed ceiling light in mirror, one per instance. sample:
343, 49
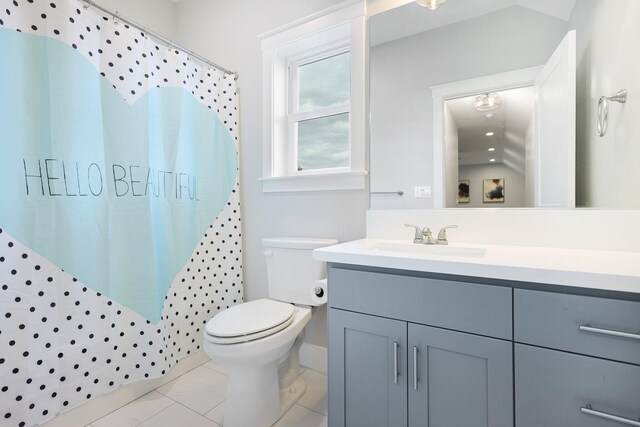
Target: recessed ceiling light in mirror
492, 160
492, 149
489, 133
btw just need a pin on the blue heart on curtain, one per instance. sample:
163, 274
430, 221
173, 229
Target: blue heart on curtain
117, 195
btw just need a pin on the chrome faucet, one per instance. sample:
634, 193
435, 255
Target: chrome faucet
425, 237
442, 235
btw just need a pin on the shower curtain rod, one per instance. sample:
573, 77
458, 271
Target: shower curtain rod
89, 3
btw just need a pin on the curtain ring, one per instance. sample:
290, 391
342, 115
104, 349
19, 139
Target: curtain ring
603, 116
116, 18
87, 4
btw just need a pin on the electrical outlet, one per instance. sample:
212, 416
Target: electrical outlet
423, 192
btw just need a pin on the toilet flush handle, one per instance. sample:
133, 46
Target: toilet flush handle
268, 252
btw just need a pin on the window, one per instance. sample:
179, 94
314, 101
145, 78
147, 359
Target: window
314, 102
318, 122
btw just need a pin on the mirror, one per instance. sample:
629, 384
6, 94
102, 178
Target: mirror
490, 133
415, 51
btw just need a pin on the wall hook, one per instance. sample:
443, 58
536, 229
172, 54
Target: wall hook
603, 109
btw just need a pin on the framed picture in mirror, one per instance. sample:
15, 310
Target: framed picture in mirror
463, 191
493, 190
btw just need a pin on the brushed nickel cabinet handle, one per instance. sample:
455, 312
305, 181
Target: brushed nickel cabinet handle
589, 328
396, 346
415, 368
587, 409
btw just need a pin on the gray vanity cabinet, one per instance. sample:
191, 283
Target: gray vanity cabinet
388, 370
368, 370
426, 350
577, 360
555, 388
459, 379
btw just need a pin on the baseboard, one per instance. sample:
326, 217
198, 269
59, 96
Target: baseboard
105, 404
314, 357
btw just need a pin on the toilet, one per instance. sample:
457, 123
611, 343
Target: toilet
258, 341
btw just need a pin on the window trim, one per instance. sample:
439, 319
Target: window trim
343, 26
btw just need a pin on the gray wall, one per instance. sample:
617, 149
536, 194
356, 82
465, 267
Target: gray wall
514, 188
403, 71
607, 61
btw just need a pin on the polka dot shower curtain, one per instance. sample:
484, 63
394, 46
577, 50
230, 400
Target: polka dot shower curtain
119, 206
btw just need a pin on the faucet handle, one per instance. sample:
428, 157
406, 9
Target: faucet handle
417, 237
442, 235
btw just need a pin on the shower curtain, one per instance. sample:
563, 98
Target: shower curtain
120, 233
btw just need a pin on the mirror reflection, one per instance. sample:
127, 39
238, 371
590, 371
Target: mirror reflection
414, 51
491, 133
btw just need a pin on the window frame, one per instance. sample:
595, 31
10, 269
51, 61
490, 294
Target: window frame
295, 116
325, 34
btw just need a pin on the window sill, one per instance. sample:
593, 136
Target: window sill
354, 180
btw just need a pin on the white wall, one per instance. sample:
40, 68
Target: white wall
156, 15
607, 61
529, 157
403, 71
597, 229
514, 187
450, 159
227, 32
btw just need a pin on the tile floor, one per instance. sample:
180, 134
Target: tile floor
197, 399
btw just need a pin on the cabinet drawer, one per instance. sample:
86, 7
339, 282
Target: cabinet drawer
552, 387
579, 324
467, 307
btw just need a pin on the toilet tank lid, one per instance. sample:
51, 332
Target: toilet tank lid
298, 242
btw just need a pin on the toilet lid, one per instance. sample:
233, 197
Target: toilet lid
250, 318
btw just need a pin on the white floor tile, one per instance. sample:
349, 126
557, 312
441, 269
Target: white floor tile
301, 417
178, 415
212, 364
217, 413
135, 412
200, 389
315, 398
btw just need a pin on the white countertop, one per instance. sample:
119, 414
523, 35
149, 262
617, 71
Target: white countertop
604, 270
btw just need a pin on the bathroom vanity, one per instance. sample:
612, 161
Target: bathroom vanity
412, 342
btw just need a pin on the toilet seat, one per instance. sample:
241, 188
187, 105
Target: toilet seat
249, 321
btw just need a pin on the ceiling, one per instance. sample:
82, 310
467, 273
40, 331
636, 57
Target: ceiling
412, 19
509, 124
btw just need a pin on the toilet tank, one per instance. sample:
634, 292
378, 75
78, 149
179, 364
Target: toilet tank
291, 269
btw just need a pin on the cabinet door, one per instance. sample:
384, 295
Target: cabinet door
458, 379
367, 370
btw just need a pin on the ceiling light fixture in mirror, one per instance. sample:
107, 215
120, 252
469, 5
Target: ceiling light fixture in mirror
430, 4
487, 102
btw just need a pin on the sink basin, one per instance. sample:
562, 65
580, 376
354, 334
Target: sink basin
430, 250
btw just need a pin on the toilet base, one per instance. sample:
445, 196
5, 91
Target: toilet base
290, 395
254, 398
